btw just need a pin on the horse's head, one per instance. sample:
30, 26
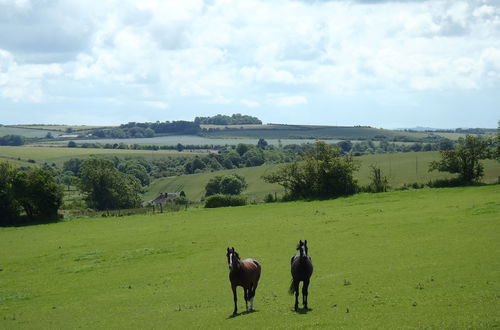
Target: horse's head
232, 258
302, 248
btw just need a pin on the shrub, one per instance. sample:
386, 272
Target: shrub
269, 198
224, 200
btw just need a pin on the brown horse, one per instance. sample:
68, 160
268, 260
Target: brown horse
302, 269
244, 273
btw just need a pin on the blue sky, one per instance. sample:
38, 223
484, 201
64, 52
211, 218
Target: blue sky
381, 63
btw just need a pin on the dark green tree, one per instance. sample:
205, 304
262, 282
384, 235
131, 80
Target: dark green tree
106, 188
38, 193
323, 174
262, 144
464, 160
232, 184
9, 206
35, 192
379, 182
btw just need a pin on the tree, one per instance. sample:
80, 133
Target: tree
324, 173
345, 146
232, 184
106, 188
464, 160
379, 182
9, 206
36, 192
73, 165
262, 144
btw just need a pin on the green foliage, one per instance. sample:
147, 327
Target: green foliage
379, 182
35, 192
224, 200
38, 193
12, 140
106, 188
324, 173
230, 184
464, 160
262, 144
270, 198
73, 165
235, 119
9, 206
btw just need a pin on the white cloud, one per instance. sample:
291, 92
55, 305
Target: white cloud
156, 104
236, 52
288, 100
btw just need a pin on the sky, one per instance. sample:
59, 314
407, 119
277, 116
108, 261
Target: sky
391, 64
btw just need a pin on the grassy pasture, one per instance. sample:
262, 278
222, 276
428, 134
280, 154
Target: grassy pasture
307, 131
400, 168
61, 128
425, 258
59, 155
26, 132
172, 140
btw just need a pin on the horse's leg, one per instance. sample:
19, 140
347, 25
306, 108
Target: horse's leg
247, 293
233, 287
305, 292
254, 288
296, 288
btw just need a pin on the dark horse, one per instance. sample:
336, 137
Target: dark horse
245, 273
302, 269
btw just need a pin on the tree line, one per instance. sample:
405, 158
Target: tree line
235, 119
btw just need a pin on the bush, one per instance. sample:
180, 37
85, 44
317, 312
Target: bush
447, 183
270, 198
224, 200
379, 182
323, 174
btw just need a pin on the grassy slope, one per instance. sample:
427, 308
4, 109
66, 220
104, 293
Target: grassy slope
399, 168
60, 155
293, 131
414, 259
27, 132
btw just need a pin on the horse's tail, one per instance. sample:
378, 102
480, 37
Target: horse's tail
291, 289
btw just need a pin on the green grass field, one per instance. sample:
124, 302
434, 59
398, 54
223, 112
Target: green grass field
426, 259
307, 131
59, 155
400, 168
26, 132
61, 128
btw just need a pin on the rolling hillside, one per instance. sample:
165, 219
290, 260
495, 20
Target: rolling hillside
410, 259
400, 168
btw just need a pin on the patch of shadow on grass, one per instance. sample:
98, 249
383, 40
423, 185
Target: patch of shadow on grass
302, 310
24, 221
232, 316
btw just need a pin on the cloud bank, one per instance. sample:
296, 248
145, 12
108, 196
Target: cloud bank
246, 54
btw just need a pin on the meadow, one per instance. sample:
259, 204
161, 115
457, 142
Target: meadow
426, 258
172, 140
400, 169
311, 131
26, 132
59, 155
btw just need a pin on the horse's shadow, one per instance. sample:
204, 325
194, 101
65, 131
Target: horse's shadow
302, 310
232, 316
